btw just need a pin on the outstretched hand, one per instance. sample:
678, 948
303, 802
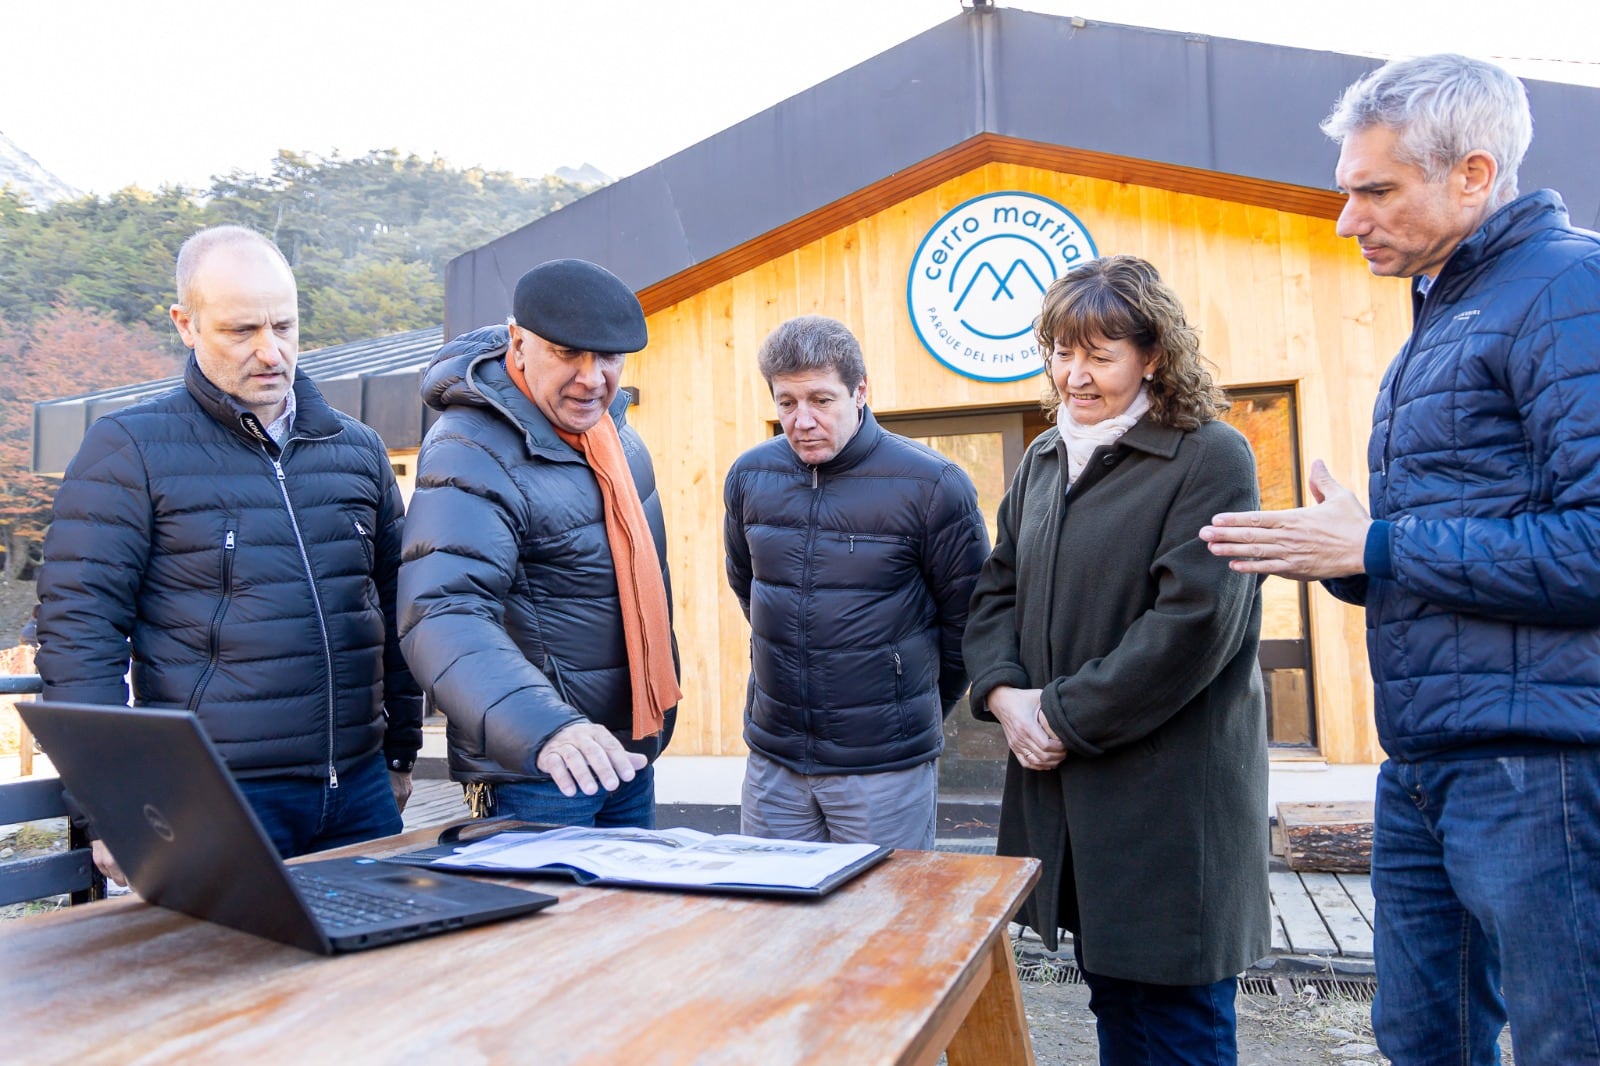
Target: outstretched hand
1326, 539
586, 757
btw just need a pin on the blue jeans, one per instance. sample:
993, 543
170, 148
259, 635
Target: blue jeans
1486, 875
302, 814
1141, 1024
632, 805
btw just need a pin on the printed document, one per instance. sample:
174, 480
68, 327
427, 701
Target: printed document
663, 856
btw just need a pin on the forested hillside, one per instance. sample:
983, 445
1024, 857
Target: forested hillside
85, 284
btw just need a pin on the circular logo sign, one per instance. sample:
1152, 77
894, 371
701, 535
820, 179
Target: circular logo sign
979, 274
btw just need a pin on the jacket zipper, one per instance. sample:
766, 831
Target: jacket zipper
1418, 317
322, 623
900, 695
214, 639
805, 593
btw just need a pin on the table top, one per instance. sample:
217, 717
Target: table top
606, 975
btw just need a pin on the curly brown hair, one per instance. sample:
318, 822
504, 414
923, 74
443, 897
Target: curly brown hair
1122, 297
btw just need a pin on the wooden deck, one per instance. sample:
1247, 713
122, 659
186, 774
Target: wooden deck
433, 802
1317, 918
1321, 915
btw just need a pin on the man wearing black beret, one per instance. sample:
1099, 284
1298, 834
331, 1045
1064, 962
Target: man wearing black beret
534, 599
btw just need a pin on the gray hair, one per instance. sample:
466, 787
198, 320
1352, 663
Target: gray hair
813, 342
1443, 107
201, 244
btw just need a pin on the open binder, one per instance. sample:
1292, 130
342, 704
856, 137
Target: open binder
680, 859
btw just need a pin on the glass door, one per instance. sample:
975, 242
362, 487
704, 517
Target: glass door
988, 447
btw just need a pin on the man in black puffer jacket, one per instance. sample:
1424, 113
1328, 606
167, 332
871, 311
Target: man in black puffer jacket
853, 552
534, 600
240, 539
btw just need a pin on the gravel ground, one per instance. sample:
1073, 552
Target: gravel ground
1293, 1032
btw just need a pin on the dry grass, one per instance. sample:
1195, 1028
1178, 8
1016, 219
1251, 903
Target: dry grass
1308, 1012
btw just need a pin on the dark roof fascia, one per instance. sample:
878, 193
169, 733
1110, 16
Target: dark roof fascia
378, 381
1190, 101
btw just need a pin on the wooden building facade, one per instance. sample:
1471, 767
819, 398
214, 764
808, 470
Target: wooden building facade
1288, 315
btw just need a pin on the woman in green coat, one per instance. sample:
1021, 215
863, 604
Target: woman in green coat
1119, 656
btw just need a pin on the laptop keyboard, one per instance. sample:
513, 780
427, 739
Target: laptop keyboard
340, 905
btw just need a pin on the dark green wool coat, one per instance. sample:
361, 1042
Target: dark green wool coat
1153, 832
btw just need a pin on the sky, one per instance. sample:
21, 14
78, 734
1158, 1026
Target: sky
110, 93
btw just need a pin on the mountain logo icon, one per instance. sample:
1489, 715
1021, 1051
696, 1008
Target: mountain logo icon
979, 275
1028, 292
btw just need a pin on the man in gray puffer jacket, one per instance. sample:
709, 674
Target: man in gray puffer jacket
853, 552
534, 597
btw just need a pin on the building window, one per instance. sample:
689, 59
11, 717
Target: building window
1267, 419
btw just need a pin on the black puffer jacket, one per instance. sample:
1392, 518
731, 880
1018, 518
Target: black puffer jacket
855, 576
261, 600
508, 596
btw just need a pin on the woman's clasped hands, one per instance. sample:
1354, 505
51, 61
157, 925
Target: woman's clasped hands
1027, 733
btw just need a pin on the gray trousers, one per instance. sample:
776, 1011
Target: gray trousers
898, 809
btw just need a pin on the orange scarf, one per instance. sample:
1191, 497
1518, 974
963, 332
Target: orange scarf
641, 592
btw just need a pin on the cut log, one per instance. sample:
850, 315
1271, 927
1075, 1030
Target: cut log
1333, 837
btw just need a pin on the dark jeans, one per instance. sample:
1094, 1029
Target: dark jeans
1486, 874
1141, 1024
302, 814
632, 805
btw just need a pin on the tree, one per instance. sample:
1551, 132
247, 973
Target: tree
356, 231
67, 351
115, 256
369, 237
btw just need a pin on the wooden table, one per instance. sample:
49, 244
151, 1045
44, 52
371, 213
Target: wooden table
906, 960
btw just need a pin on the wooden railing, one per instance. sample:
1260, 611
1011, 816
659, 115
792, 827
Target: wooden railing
22, 685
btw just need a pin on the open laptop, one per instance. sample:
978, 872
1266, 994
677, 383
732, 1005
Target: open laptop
164, 803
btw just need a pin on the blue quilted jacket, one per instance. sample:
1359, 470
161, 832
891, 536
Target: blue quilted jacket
1483, 562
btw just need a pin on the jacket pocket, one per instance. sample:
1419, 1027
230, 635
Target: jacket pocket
229, 545
855, 541
899, 666
552, 671
362, 527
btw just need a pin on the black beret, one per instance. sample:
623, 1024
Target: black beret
576, 304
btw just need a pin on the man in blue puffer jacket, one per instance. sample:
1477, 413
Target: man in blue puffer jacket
1479, 569
853, 552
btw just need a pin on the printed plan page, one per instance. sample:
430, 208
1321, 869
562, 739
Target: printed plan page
663, 856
